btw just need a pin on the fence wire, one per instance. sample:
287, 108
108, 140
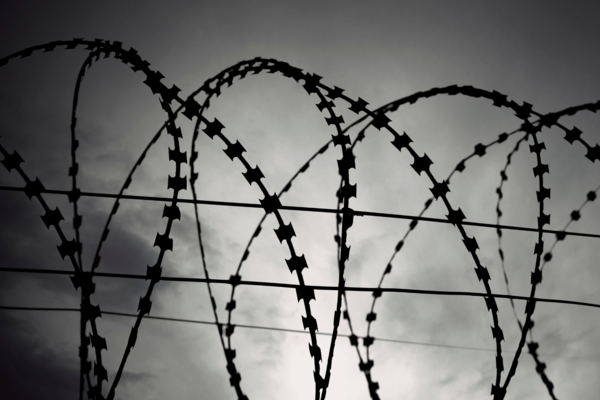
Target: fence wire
531, 125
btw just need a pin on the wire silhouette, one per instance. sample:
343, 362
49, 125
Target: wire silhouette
532, 123
358, 213
372, 290
269, 328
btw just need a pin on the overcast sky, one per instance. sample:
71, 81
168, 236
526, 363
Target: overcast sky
540, 52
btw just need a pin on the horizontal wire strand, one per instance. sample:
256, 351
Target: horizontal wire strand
357, 213
313, 287
285, 330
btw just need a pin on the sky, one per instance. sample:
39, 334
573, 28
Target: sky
540, 52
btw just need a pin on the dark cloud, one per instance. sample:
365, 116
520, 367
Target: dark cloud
30, 368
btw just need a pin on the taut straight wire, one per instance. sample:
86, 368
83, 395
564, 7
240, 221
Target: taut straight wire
357, 213
276, 329
375, 290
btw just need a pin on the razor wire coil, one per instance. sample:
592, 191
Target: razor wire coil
328, 96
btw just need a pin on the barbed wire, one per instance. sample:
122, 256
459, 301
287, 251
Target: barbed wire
285, 330
357, 213
373, 290
271, 204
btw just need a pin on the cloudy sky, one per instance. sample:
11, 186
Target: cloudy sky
541, 52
